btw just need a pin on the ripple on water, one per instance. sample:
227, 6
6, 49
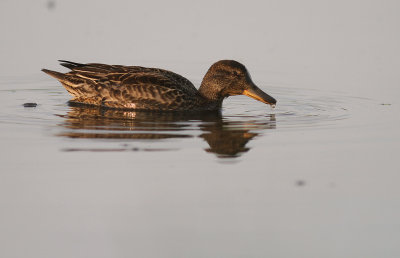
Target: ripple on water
294, 110
227, 135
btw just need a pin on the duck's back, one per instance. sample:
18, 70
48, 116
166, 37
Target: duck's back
132, 87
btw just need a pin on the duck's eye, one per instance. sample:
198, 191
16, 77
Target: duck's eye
235, 73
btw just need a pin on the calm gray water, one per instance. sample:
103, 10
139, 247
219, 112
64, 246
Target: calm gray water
318, 176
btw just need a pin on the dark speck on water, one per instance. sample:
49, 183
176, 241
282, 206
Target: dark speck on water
51, 4
300, 183
30, 104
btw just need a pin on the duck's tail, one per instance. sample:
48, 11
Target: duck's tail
71, 84
57, 75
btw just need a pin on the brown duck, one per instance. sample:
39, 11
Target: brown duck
141, 88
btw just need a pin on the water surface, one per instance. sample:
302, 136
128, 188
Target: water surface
319, 170
227, 133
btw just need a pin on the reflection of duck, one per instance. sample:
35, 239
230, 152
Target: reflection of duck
225, 138
229, 139
135, 87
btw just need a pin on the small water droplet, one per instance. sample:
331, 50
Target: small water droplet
273, 105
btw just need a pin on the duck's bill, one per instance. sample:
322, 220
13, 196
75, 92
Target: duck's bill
257, 94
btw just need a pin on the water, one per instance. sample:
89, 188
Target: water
243, 183
317, 176
227, 134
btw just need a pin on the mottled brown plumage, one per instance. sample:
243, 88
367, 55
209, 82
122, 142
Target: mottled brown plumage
141, 88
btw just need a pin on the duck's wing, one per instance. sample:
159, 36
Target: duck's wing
120, 75
127, 86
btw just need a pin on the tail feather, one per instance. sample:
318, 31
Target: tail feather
69, 64
69, 82
57, 75
79, 87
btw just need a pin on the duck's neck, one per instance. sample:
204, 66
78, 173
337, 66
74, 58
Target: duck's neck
209, 92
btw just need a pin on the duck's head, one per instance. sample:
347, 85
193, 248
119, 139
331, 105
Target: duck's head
228, 78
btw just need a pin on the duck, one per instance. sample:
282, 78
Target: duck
155, 89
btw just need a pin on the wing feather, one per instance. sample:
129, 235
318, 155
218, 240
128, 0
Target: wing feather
122, 86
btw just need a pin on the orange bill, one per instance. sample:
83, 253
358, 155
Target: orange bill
257, 94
